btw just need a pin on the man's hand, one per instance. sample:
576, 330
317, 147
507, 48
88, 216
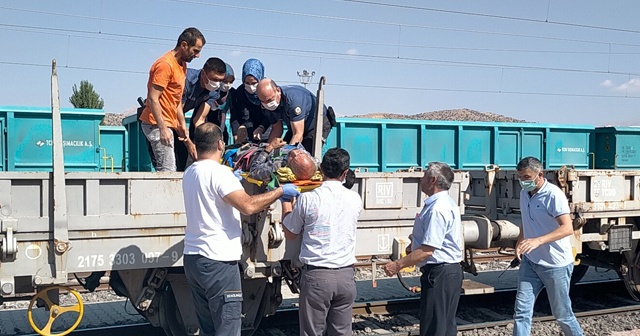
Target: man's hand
289, 191
242, 134
391, 268
182, 131
191, 149
166, 136
275, 143
257, 133
527, 245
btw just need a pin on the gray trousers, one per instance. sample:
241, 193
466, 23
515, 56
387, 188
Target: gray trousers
164, 158
217, 294
326, 301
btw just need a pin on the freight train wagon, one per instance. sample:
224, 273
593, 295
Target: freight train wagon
132, 223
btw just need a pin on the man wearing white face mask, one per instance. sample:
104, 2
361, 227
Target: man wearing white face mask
216, 111
544, 248
295, 107
201, 90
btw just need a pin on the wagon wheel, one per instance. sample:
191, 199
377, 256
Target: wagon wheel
630, 274
55, 311
169, 315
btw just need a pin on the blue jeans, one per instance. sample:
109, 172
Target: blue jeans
531, 279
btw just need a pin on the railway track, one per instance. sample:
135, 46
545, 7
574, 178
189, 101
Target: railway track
399, 316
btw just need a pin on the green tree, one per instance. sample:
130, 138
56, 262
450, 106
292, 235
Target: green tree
86, 96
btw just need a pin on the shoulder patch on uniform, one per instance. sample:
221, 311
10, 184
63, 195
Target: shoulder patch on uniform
297, 110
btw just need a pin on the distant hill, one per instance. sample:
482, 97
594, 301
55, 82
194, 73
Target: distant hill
450, 115
115, 119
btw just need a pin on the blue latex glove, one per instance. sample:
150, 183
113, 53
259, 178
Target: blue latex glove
290, 191
237, 173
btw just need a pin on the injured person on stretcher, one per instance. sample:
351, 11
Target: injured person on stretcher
277, 162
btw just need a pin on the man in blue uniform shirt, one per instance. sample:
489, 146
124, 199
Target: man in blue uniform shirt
295, 107
201, 90
437, 249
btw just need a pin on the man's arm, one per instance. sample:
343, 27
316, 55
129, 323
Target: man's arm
297, 128
153, 96
183, 130
565, 229
276, 130
413, 258
200, 115
250, 205
287, 207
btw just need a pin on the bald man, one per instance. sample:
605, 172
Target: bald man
295, 107
278, 154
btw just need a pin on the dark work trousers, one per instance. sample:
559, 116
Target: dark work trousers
182, 154
326, 301
217, 294
441, 284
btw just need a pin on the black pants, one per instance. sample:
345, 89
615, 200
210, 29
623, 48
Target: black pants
441, 284
217, 294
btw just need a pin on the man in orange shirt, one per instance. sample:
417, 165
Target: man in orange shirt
166, 84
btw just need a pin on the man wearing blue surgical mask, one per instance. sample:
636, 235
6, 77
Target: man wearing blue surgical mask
544, 248
295, 107
201, 91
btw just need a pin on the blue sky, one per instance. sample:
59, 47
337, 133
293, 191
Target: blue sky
561, 62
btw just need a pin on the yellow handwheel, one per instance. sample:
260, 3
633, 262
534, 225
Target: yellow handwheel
55, 311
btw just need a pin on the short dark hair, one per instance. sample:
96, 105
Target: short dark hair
215, 64
206, 137
191, 35
443, 174
335, 162
530, 162
350, 179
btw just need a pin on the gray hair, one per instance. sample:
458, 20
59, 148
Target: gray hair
443, 174
530, 162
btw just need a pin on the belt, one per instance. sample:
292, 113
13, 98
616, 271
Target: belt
311, 267
430, 266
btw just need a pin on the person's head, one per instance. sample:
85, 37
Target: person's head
530, 173
335, 164
190, 44
302, 164
229, 77
208, 139
252, 73
213, 72
269, 94
437, 177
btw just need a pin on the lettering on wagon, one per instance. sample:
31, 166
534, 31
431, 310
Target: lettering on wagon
66, 143
127, 258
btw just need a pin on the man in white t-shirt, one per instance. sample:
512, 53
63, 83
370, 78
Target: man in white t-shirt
213, 199
327, 219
